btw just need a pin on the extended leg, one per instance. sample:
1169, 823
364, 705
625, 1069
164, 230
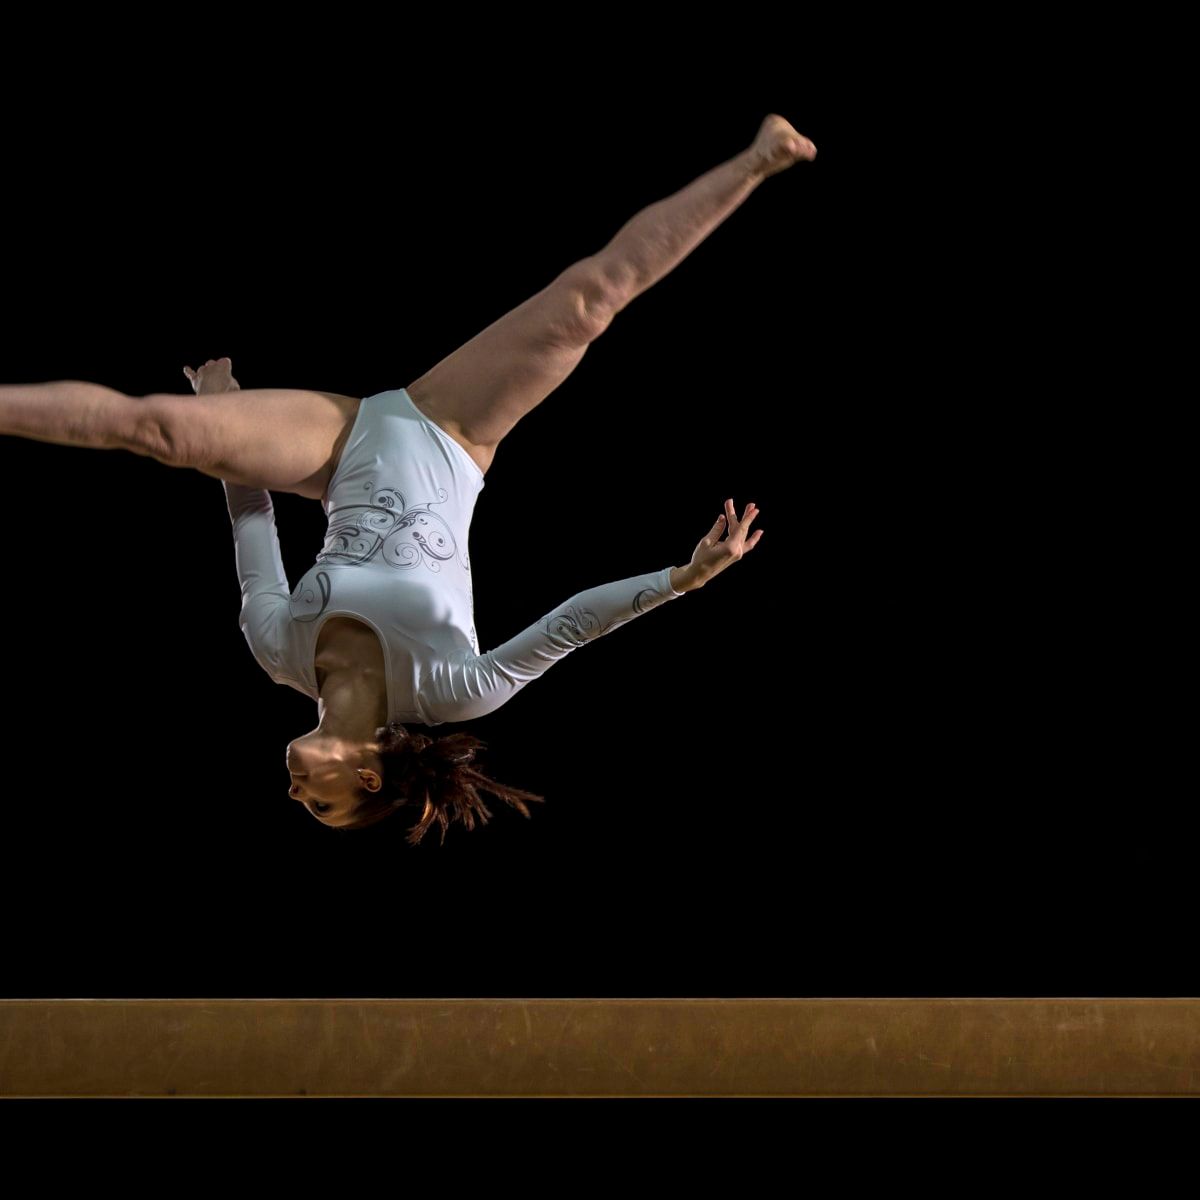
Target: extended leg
486, 386
284, 439
69, 412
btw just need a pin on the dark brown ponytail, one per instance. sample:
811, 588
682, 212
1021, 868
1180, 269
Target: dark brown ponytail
437, 774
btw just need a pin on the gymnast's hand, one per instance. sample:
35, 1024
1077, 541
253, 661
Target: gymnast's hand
713, 555
215, 376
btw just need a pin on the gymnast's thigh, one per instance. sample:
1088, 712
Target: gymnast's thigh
479, 392
282, 439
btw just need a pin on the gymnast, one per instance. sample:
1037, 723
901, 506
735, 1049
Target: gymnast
380, 631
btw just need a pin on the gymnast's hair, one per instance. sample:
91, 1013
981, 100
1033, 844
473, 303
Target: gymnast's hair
435, 773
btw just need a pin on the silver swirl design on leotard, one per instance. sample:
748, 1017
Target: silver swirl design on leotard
311, 596
579, 625
646, 599
391, 531
573, 624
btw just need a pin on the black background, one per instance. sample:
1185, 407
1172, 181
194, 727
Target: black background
909, 746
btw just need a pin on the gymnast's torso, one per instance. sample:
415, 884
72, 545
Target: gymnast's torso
349, 406
395, 565
395, 561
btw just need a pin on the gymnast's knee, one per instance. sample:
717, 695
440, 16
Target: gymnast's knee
168, 428
594, 293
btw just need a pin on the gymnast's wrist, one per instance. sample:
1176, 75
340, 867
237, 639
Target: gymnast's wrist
684, 579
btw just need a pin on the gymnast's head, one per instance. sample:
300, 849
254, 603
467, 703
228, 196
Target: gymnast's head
349, 784
330, 774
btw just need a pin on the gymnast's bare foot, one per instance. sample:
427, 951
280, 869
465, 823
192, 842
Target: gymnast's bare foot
215, 376
778, 146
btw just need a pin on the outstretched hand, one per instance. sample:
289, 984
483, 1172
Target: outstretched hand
215, 376
713, 555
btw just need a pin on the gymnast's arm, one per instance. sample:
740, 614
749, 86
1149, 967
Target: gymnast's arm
265, 590
469, 685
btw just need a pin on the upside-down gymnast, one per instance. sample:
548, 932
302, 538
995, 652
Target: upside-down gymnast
380, 631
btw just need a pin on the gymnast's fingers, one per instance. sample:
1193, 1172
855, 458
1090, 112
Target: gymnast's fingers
731, 518
749, 543
737, 527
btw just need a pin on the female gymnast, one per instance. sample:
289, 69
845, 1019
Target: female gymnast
380, 631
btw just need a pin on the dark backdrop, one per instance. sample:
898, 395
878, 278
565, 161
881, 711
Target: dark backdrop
904, 748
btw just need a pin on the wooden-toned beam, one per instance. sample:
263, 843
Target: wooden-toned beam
1066, 1046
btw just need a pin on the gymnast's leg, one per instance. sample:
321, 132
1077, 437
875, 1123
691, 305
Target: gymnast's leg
233, 436
486, 386
69, 412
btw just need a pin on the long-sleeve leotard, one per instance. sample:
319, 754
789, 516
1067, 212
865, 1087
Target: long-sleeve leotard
435, 670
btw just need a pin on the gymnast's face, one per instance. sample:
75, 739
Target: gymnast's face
328, 772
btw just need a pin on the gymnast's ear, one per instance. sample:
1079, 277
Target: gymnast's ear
370, 780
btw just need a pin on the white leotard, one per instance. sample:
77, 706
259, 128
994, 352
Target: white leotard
395, 557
